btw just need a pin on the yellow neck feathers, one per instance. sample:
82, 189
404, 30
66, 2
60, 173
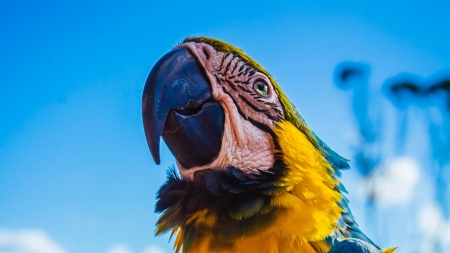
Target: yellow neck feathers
310, 197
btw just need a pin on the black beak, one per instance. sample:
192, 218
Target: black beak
177, 104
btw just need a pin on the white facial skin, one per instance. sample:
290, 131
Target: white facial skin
244, 145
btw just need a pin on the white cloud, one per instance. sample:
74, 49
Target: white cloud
429, 219
153, 249
434, 227
395, 184
119, 248
123, 248
27, 241
38, 241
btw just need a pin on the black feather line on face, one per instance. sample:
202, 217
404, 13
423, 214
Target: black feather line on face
259, 125
254, 107
228, 65
235, 66
230, 84
246, 70
223, 60
244, 89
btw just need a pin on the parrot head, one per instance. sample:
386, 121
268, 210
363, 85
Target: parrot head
252, 176
215, 107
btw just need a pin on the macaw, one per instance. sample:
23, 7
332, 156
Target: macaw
252, 176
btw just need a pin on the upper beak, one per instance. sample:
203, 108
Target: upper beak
177, 104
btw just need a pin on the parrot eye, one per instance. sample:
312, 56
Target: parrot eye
261, 88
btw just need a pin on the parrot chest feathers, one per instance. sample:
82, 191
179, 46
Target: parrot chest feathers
226, 211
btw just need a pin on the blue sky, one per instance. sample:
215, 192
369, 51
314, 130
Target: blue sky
73, 156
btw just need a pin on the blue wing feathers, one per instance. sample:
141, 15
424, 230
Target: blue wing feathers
354, 246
